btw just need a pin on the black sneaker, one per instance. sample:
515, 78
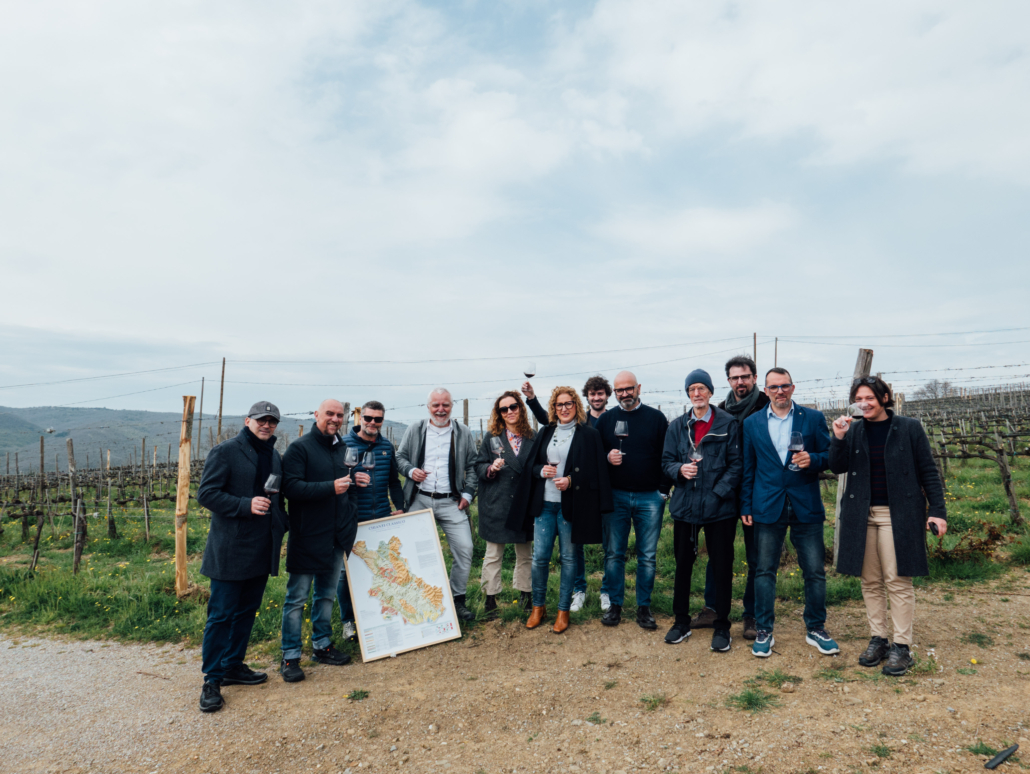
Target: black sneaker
721, 640
290, 669
211, 698
876, 652
331, 656
463, 613
644, 618
490, 607
678, 633
526, 600
899, 661
241, 674
612, 616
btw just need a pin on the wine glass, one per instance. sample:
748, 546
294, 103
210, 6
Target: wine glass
797, 444
857, 410
368, 460
553, 456
351, 458
272, 484
621, 431
695, 456
529, 370
496, 446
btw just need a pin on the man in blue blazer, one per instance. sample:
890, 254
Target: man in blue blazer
781, 490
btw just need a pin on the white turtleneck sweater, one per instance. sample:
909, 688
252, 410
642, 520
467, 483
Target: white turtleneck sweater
562, 441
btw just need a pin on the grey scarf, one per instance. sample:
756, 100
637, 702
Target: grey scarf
741, 409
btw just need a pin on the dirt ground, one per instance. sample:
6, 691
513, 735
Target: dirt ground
504, 699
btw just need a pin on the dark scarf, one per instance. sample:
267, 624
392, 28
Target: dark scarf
742, 409
264, 467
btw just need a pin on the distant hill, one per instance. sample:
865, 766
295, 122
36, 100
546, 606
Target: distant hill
95, 430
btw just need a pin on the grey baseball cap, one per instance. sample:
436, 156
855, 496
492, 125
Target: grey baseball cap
264, 409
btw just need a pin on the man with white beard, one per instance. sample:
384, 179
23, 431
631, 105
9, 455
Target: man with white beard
437, 458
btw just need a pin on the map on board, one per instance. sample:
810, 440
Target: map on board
398, 592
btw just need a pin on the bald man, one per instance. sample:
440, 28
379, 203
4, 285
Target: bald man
639, 490
323, 523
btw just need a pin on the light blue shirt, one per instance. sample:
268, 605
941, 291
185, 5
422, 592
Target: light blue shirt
780, 430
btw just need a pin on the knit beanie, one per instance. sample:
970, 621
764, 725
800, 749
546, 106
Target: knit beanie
699, 376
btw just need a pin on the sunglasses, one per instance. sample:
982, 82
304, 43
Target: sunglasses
864, 380
377, 420
267, 421
778, 387
564, 406
509, 408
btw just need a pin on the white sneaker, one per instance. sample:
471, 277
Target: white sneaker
349, 632
579, 599
605, 603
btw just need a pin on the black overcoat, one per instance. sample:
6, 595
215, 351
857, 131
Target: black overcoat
497, 494
583, 503
240, 545
913, 482
320, 520
712, 495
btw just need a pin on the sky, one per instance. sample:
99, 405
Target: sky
365, 200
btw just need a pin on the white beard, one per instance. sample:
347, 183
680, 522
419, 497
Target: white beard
438, 422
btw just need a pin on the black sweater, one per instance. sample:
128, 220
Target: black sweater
641, 468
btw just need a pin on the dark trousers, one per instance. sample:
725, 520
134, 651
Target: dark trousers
719, 537
230, 618
749, 585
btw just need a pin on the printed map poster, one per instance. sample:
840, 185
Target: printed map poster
398, 586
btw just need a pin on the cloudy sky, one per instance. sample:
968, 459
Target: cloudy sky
353, 190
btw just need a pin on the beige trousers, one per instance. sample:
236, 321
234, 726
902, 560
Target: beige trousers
880, 580
521, 579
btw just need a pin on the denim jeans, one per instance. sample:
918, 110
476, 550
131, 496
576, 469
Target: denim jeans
749, 584
230, 619
643, 512
298, 587
580, 584
546, 526
808, 542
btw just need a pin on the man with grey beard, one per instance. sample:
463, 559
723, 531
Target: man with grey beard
437, 457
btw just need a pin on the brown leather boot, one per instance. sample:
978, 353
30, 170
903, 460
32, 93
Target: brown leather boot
536, 617
561, 623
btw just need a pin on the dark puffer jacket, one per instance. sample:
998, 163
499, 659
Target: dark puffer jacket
386, 483
712, 496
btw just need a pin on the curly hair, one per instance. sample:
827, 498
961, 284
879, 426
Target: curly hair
497, 426
552, 412
595, 383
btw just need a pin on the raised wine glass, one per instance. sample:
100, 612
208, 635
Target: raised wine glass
857, 410
621, 431
272, 484
797, 444
529, 370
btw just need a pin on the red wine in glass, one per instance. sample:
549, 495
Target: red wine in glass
529, 370
621, 431
797, 444
272, 484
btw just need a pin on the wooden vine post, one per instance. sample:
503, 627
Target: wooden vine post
863, 367
182, 494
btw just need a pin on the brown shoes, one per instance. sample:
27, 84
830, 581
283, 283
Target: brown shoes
703, 620
536, 617
561, 623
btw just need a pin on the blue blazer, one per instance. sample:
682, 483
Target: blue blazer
767, 481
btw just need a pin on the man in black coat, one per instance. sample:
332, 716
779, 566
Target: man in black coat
242, 547
323, 523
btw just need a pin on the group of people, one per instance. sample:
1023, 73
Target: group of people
588, 476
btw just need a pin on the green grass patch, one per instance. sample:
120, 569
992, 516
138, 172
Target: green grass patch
752, 700
880, 751
359, 694
596, 719
654, 701
833, 671
609, 684
979, 639
1024, 656
924, 666
966, 671
774, 678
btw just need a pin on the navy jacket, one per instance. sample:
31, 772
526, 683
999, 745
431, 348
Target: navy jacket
386, 482
240, 545
712, 495
767, 481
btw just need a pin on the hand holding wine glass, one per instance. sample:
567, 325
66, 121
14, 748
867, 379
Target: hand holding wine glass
551, 468
497, 449
689, 470
797, 445
272, 484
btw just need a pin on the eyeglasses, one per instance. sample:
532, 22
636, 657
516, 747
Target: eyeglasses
697, 390
743, 378
267, 421
377, 420
565, 406
778, 387
509, 408
625, 390
865, 380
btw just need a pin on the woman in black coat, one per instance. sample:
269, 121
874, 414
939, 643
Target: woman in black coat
891, 476
498, 475
563, 495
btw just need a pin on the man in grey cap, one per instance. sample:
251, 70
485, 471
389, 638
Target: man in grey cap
242, 549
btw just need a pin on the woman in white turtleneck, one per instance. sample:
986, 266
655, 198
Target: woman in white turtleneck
564, 497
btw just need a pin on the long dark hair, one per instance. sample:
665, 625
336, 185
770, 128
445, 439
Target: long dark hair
497, 426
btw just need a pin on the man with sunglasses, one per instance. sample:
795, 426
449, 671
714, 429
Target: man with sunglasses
375, 488
242, 548
775, 497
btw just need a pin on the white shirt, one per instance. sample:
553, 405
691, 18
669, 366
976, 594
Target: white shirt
437, 463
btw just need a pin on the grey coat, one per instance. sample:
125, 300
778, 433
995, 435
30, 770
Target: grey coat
912, 483
496, 494
240, 545
411, 454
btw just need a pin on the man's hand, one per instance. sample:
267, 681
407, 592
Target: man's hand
840, 426
463, 504
942, 525
563, 483
527, 390
342, 484
746, 518
259, 506
615, 457
689, 470
801, 459
398, 512
362, 479
417, 475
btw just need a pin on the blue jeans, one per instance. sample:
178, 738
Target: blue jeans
230, 619
643, 512
297, 590
580, 584
749, 584
546, 526
808, 542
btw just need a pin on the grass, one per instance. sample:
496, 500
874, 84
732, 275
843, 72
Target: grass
880, 751
834, 671
596, 719
966, 671
609, 684
654, 701
752, 700
1023, 656
775, 678
924, 666
978, 638
359, 694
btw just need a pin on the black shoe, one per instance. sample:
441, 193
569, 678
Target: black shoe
526, 600
721, 640
241, 674
875, 653
211, 698
899, 661
291, 671
612, 616
331, 656
463, 613
490, 607
644, 618
750, 628
678, 633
